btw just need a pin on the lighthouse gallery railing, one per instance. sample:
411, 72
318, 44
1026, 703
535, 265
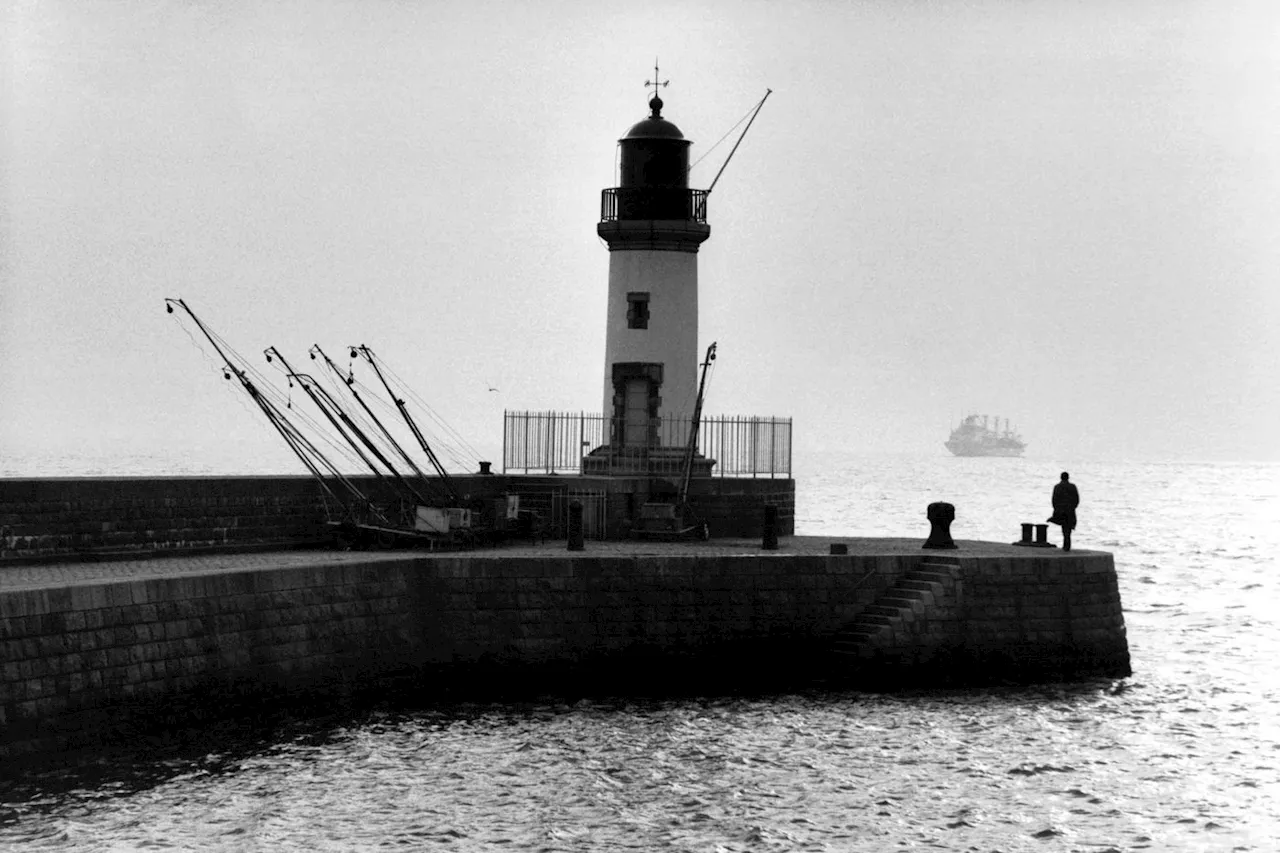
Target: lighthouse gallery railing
556, 442
653, 203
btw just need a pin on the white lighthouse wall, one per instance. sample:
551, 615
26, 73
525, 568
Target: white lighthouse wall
671, 280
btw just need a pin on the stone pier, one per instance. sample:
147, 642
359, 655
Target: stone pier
95, 650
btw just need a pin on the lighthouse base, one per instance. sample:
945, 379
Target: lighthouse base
612, 460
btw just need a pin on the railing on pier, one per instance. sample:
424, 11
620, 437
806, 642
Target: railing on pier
556, 442
653, 203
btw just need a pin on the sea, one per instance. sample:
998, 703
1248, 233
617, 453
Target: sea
1184, 755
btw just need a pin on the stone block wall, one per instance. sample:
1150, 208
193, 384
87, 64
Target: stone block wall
735, 508
77, 518
1042, 615
994, 619
96, 516
81, 663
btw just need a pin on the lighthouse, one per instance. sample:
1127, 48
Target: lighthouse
653, 225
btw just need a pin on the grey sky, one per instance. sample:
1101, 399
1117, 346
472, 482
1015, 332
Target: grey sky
1063, 213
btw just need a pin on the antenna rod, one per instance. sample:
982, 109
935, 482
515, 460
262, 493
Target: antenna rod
767, 93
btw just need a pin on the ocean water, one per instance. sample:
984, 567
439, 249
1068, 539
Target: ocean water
1184, 755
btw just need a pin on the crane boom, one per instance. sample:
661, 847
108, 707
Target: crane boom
767, 93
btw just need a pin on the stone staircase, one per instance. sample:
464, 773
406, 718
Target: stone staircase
897, 625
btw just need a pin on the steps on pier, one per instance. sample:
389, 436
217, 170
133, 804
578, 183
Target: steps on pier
896, 621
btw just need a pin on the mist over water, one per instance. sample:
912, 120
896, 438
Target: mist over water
1185, 755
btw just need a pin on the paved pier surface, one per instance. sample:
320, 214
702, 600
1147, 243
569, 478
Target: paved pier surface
54, 575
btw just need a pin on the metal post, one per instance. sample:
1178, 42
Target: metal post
1042, 534
790, 424
773, 445
940, 515
770, 542
551, 453
575, 525
720, 455
755, 445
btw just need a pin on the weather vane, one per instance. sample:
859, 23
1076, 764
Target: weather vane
654, 82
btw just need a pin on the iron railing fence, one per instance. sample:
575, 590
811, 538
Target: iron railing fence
549, 442
556, 442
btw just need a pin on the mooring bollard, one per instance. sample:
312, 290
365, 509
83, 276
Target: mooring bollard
770, 542
1042, 536
839, 549
940, 516
575, 526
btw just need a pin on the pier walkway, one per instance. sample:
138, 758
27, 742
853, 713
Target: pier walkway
75, 573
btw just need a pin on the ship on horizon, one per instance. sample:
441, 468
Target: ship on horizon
977, 436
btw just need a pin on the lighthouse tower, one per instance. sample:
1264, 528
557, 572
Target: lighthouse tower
653, 224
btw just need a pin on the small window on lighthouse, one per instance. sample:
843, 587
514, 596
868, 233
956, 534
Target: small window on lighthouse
637, 310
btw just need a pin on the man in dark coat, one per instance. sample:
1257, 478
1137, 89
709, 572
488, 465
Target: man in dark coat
1065, 500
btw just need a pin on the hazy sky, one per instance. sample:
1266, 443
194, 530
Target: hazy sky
1066, 213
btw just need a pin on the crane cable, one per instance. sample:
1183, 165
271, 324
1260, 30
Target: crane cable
767, 93
750, 114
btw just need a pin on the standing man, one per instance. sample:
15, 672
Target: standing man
1065, 500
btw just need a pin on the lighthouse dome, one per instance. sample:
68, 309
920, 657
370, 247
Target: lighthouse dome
655, 126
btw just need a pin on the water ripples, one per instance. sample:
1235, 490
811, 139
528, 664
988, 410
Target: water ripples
1081, 766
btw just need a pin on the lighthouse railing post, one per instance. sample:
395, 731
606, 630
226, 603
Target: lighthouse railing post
755, 446
773, 446
550, 452
789, 458
526, 443
566, 428
557, 427
720, 445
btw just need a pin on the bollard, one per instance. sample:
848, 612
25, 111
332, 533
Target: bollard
770, 542
485, 469
1042, 536
839, 548
575, 526
940, 516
